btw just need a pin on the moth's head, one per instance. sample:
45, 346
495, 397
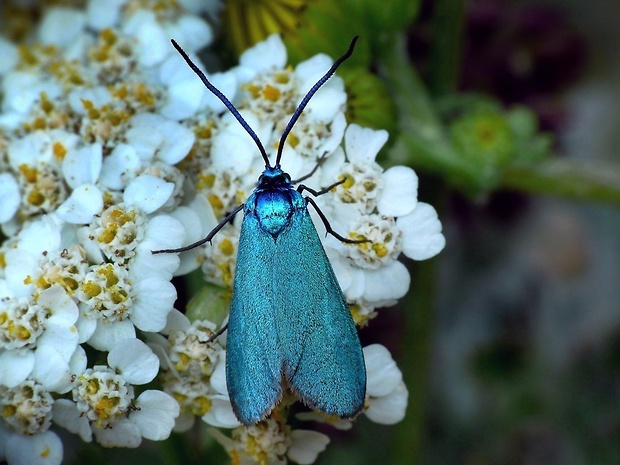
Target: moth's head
274, 178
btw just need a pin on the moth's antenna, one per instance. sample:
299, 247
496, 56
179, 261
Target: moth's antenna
309, 95
215, 91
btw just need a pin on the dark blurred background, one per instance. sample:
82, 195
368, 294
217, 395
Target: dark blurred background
524, 349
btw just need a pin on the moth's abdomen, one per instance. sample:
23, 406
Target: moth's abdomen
273, 210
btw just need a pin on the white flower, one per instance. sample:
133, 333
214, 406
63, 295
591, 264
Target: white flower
9, 197
104, 403
38, 338
194, 372
269, 442
380, 207
306, 446
38, 449
386, 393
9, 54
135, 289
27, 407
61, 26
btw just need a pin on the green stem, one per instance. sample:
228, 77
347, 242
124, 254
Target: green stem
422, 140
565, 178
419, 306
448, 21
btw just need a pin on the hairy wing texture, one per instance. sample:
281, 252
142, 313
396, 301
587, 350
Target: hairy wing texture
253, 353
323, 359
290, 319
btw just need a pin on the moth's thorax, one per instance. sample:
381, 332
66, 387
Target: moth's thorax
274, 200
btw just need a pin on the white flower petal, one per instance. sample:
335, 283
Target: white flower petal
61, 26
194, 32
311, 70
218, 377
232, 152
153, 45
10, 197
124, 433
147, 265
227, 83
306, 446
363, 144
86, 326
38, 449
40, 236
9, 54
221, 414
389, 409
19, 265
145, 140
31, 149
176, 321
337, 128
133, 359
327, 103
387, 283
15, 366
82, 166
194, 226
184, 99
78, 361
383, 374
66, 414
178, 140
101, 15
82, 205
51, 368
184, 422
422, 237
154, 300
148, 192
400, 192
107, 335
155, 414
63, 310
59, 338
266, 55
119, 167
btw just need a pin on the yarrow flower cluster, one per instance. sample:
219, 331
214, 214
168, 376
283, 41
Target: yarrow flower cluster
110, 147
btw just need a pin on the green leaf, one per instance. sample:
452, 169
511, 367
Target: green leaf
211, 303
369, 104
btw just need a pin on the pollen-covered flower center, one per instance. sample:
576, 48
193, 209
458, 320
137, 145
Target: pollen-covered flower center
384, 242
192, 364
42, 189
264, 442
221, 259
361, 184
65, 268
21, 323
118, 232
102, 396
107, 292
271, 96
27, 407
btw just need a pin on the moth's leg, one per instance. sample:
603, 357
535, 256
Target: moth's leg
319, 162
216, 335
328, 227
213, 232
325, 190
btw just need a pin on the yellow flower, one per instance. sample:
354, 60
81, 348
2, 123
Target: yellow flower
250, 21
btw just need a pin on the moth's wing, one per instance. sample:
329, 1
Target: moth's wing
323, 359
253, 356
